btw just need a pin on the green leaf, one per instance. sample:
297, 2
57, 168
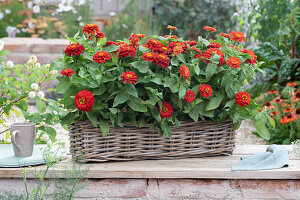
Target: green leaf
40, 105
130, 88
121, 97
197, 69
182, 91
210, 70
104, 127
262, 130
271, 121
92, 118
157, 81
214, 103
63, 85
165, 128
35, 118
180, 57
204, 41
111, 48
142, 66
57, 65
194, 113
4, 52
136, 105
51, 132
113, 110
174, 62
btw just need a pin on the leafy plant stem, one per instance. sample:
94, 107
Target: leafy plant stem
40, 184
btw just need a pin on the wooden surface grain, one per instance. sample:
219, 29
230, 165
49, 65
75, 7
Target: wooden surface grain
206, 168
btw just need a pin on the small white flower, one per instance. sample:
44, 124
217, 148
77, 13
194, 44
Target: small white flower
9, 64
31, 95
33, 58
34, 86
38, 64
1, 45
41, 94
79, 18
36, 9
81, 2
1, 15
112, 14
53, 71
125, 26
81, 24
45, 138
30, 4
7, 11
47, 65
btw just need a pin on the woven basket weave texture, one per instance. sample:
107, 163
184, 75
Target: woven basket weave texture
191, 139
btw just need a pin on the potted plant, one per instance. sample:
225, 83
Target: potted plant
189, 92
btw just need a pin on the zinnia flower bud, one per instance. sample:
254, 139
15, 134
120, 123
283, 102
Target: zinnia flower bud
9, 64
31, 95
1, 45
34, 86
41, 94
47, 65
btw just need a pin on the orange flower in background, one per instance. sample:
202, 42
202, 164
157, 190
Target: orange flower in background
237, 36
288, 110
242, 99
296, 97
172, 36
172, 27
209, 53
225, 35
272, 92
101, 57
74, 49
252, 54
191, 43
149, 56
297, 112
291, 84
189, 96
184, 72
278, 100
126, 50
205, 90
67, 72
269, 105
208, 28
100, 35
234, 62
90, 29
162, 60
129, 77
166, 110
272, 114
84, 100
287, 119
196, 49
178, 50
214, 45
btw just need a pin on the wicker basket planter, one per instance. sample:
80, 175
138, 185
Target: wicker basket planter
191, 139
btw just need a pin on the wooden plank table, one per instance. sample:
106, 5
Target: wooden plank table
204, 168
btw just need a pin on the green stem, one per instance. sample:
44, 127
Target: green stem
40, 184
25, 183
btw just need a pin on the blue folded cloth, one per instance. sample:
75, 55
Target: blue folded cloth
275, 157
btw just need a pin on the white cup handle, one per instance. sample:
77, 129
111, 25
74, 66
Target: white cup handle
15, 134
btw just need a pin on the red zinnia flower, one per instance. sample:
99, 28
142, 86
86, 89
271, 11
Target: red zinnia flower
297, 112
191, 43
208, 54
225, 35
126, 50
100, 35
189, 96
67, 72
108, 43
196, 49
287, 119
252, 54
288, 110
166, 110
101, 57
162, 60
149, 56
172, 36
291, 84
74, 49
269, 105
242, 99
234, 62
84, 100
208, 28
205, 90
129, 77
214, 45
184, 72
135, 38
90, 28
175, 46
237, 36
153, 45
172, 27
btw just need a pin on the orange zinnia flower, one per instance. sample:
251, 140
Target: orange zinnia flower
269, 105
287, 119
237, 36
291, 84
277, 100
196, 49
288, 110
225, 35
208, 28
252, 54
296, 97
234, 62
272, 92
162, 60
149, 56
209, 53
184, 72
172, 27
90, 29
